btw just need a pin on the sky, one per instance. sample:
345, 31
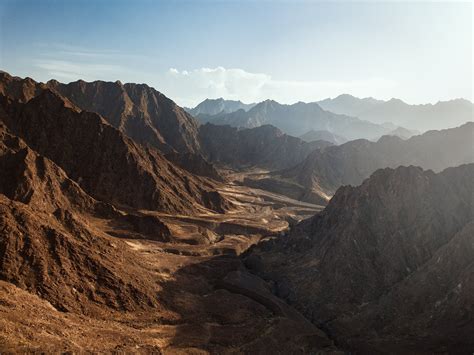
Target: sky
288, 51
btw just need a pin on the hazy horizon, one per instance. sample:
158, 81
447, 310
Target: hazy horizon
289, 52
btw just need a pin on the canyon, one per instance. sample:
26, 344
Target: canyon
127, 225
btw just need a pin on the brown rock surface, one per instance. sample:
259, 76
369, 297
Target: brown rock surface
137, 110
106, 163
388, 265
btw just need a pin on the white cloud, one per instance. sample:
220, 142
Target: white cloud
190, 87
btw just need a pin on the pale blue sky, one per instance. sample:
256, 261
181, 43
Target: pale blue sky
249, 50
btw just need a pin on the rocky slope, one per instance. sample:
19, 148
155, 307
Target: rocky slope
107, 164
442, 115
388, 266
47, 245
300, 118
352, 162
265, 146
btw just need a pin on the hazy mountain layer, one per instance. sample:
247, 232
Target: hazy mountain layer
215, 106
442, 115
298, 119
352, 162
323, 135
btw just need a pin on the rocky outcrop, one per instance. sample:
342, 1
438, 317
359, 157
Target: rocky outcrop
388, 265
106, 163
264, 146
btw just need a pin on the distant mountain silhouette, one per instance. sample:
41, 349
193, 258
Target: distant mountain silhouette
444, 114
298, 119
215, 106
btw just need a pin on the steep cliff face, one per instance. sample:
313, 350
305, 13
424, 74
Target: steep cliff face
264, 146
392, 258
106, 163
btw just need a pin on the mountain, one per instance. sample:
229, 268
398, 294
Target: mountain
107, 164
402, 133
48, 244
140, 112
324, 171
349, 105
265, 146
313, 135
442, 115
388, 266
298, 119
215, 106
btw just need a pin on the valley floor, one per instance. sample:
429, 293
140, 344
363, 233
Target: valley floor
208, 300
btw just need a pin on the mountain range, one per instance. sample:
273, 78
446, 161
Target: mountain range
318, 177
443, 114
215, 106
298, 119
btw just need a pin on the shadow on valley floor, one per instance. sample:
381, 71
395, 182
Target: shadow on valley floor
222, 308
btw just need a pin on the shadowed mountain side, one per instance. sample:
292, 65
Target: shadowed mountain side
106, 163
387, 266
351, 163
222, 306
264, 146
